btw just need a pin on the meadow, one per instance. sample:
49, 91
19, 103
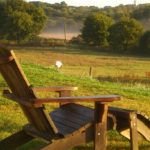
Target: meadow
128, 76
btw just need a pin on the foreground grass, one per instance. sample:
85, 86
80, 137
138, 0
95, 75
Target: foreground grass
135, 95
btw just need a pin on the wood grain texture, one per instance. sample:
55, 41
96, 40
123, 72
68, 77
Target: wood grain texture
5, 55
100, 137
101, 98
5, 60
38, 102
64, 94
72, 141
20, 87
70, 119
54, 89
133, 131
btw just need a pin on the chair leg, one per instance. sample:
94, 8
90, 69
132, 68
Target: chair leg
64, 94
100, 126
15, 140
133, 131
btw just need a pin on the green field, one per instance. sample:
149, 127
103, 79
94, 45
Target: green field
127, 76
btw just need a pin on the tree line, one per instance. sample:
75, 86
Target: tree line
118, 27
122, 27
74, 16
103, 31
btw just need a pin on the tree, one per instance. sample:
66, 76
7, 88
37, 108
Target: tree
38, 18
20, 20
95, 29
145, 43
63, 4
20, 27
125, 33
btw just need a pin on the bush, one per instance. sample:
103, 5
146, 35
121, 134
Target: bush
77, 40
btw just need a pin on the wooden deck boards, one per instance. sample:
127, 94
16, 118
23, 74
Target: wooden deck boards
71, 118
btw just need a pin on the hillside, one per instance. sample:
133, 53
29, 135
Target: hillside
60, 15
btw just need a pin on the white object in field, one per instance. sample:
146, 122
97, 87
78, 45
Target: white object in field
58, 64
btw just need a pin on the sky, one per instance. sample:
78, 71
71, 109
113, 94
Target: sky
98, 3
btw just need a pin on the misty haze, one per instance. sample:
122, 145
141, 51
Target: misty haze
56, 29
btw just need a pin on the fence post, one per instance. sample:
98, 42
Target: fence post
91, 72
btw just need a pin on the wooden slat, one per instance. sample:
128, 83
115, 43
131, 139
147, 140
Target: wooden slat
65, 121
86, 113
104, 98
32, 131
5, 56
143, 127
64, 94
39, 102
72, 115
65, 129
5, 60
19, 85
13, 97
81, 110
71, 119
54, 89
124, 113
71, 141
76, 120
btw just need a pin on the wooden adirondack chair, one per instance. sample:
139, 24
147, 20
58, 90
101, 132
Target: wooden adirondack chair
66, 127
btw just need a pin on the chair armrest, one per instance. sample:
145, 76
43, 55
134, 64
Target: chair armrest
102, 99
38, 102
54, 89
23, 101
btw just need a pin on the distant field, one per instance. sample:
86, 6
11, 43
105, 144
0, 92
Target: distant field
104, 65
69, 35
127, 76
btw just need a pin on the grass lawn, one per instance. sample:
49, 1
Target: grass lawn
112, 74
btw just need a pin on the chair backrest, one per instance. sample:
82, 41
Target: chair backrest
19, 85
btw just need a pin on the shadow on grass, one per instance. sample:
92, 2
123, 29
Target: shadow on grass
36, 144
113, 147
108, 147
2, 85
32, 145
9, 126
